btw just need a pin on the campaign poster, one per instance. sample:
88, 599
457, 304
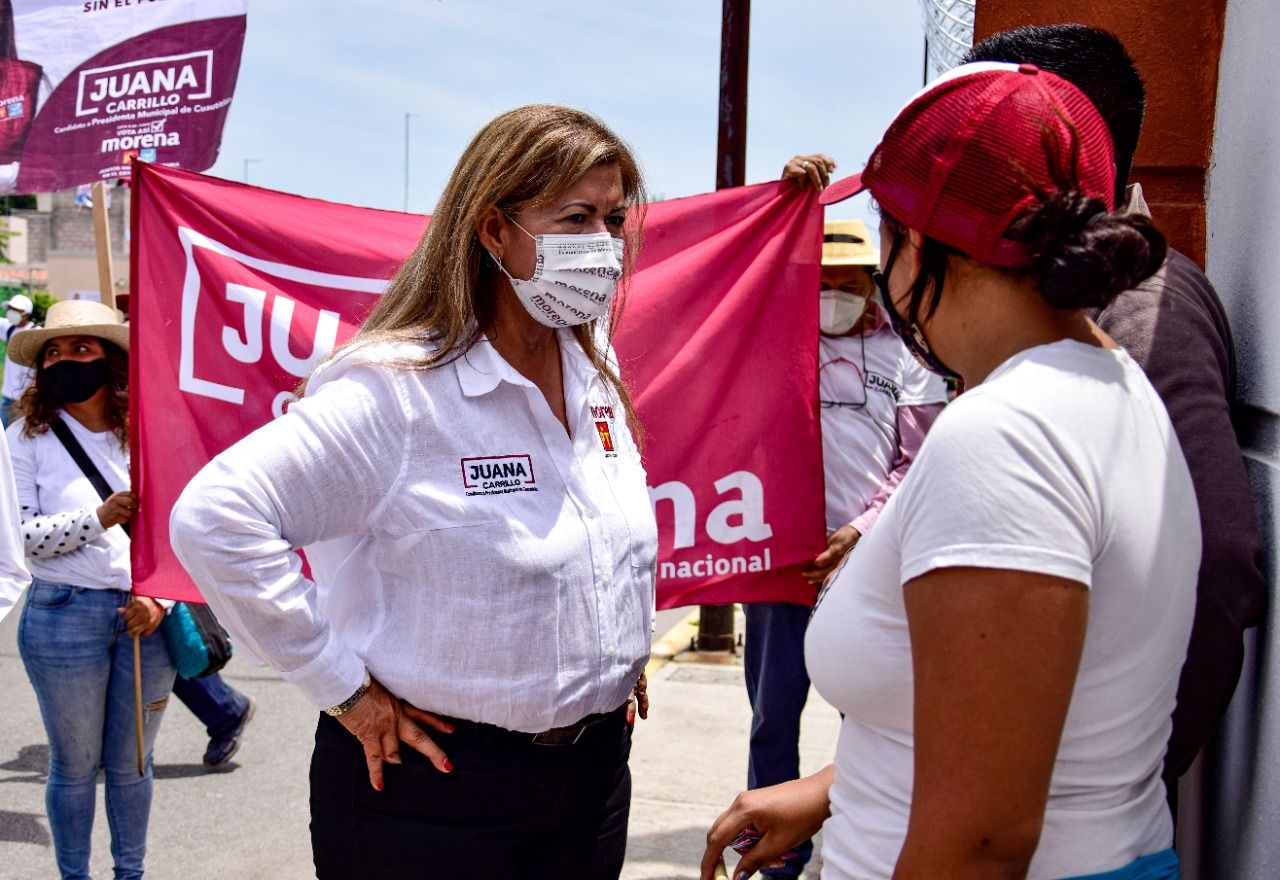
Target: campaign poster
88, 86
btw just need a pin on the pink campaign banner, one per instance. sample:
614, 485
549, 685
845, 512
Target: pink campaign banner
719, 343
88, 86
239, 291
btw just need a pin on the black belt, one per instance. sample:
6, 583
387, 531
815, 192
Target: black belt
556, 736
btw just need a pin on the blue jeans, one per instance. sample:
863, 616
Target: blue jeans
217, 704
778, 686
1157, 866
79, 658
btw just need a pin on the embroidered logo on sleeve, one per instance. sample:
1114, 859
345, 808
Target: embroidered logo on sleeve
606, 436
498, 474
604, 427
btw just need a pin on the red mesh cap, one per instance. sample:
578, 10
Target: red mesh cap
960, 161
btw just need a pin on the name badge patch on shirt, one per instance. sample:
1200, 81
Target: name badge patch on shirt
885, 386
498, 474
604, 427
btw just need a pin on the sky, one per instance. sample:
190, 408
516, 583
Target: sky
325, 85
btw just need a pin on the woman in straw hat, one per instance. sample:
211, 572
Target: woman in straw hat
76, 627
1005, 644
474, 510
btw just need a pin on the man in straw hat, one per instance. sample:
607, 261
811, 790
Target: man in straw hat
876, 405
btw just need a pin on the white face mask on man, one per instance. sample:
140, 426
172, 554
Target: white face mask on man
574, 277
15, 317
839, 310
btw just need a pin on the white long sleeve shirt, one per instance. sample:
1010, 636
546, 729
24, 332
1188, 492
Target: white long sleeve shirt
475, 558
13, 575
16, 377
62, 537
877, 405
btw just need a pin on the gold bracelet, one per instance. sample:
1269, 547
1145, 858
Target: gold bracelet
349, 703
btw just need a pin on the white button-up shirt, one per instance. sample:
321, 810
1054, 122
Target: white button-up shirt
478, 560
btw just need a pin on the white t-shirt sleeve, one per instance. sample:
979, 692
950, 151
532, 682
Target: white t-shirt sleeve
919, 386
997, 489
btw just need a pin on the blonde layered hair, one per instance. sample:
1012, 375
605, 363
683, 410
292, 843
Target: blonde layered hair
445, 292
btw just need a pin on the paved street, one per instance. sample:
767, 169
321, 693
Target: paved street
251, 822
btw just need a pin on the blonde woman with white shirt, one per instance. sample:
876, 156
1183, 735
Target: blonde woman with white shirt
465, 483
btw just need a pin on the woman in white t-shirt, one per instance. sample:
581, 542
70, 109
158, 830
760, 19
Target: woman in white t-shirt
76, 630
1006, 643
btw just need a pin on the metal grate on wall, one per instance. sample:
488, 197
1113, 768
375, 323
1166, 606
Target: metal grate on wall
948, 34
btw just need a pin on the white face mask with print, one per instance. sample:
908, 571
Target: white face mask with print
574, 277
839, 310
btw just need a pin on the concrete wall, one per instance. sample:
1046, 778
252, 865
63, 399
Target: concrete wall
72, 225
61, 250
39, 227
69, 273
1242, 827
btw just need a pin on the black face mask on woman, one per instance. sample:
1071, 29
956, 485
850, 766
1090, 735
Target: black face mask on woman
75, 381
908, 331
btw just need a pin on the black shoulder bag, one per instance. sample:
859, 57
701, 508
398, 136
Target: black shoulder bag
198, 644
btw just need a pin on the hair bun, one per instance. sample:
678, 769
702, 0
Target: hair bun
1084, 255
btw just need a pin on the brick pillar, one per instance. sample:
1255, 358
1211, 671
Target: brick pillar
1176, 45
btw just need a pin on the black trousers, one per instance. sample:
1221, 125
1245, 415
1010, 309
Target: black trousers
509, 809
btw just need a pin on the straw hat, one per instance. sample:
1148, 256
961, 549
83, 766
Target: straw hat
74, 317
846, 243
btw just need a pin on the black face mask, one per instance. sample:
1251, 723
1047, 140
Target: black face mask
910, 333
75, 381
